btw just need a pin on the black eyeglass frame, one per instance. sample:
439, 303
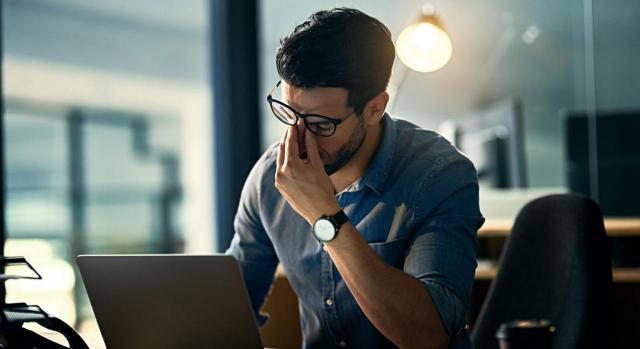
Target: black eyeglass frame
334, 121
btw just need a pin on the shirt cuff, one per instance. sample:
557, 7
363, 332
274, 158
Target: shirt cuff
452, 311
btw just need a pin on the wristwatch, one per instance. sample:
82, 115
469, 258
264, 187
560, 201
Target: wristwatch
326, 227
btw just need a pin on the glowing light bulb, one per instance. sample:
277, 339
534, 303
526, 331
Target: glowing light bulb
424, 47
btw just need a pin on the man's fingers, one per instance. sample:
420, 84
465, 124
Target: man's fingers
312, 149
291, 144
281, 150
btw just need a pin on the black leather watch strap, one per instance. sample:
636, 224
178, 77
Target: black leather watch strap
338, 219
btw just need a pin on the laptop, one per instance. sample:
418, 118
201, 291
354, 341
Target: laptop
169, 301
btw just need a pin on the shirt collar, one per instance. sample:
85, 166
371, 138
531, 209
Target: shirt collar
377, 172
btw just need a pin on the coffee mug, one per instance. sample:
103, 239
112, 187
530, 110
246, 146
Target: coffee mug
525, 334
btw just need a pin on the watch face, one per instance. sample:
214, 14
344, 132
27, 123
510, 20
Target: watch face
324, 229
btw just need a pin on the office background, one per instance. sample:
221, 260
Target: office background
109, 124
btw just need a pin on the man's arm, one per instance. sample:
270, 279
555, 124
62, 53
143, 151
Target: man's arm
251, 245
397, 304
424, 305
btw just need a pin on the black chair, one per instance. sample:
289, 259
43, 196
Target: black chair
556, 265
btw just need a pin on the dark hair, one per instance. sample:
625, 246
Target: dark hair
341, 47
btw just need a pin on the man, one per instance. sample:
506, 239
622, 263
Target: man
373, 219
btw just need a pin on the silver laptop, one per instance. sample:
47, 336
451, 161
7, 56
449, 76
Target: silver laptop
169, 301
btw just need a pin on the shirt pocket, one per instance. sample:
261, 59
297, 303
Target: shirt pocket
392, 252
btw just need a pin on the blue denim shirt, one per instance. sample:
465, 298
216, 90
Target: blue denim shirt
417, 207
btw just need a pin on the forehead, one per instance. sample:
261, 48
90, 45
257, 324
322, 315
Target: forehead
316, 99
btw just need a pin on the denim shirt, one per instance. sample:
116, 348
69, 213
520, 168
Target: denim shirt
416, 206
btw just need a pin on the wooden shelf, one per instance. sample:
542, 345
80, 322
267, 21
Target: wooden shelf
616, 227
486, 273
620, 275
626, 274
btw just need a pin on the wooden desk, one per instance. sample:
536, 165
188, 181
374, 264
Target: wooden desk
615, 227
620, 275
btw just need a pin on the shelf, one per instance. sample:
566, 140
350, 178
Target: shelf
616, 227
620, 275
626, 274
483, 274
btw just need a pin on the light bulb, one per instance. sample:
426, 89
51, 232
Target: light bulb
424, 47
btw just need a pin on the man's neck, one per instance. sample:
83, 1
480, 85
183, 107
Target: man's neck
355, 168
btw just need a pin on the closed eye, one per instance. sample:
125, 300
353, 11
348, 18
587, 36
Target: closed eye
321, 126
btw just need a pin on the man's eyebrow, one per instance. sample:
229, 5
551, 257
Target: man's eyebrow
299, 110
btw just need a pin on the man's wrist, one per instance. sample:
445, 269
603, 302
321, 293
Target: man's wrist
329, 210
343, 238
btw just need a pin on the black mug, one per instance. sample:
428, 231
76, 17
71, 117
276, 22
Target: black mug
525, 334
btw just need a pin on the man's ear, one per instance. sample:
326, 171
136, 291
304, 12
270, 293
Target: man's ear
374, 109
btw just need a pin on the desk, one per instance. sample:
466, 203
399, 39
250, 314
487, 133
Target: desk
615, 227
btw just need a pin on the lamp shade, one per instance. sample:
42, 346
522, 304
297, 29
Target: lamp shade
424, 46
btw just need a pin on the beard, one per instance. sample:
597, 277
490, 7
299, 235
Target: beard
336, 161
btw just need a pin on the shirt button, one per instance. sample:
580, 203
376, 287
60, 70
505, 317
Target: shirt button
343, 344
329, 302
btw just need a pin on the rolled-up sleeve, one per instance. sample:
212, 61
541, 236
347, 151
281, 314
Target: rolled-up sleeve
443, 251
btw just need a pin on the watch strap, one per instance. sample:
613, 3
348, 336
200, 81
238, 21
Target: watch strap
338, 219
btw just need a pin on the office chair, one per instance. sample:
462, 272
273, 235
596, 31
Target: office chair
556, 265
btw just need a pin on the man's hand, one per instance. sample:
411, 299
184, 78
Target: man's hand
304, 183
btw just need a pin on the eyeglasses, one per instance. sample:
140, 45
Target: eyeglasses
320, 125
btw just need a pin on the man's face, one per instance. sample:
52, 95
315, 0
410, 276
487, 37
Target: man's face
338, 149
